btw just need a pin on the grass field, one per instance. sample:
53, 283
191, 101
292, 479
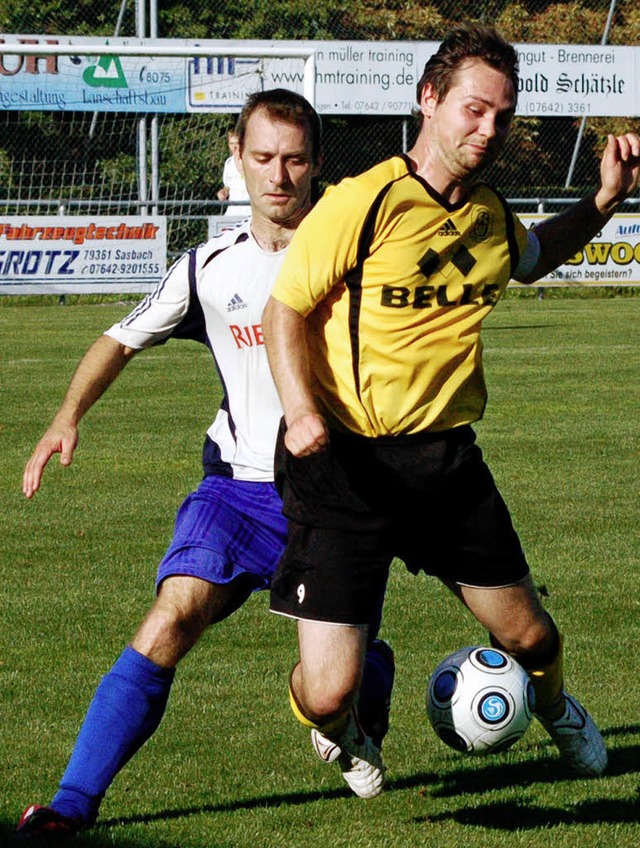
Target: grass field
229, 767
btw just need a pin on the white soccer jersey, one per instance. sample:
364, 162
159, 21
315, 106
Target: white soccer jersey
215, 294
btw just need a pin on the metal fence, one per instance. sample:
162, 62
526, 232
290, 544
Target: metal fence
83, 162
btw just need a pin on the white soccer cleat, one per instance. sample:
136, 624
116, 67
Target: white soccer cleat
326, 749
577, 738
358, 757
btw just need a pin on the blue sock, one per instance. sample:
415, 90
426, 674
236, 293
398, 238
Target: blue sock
126, 709
374, 700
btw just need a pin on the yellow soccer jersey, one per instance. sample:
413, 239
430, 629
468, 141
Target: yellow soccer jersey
395, 282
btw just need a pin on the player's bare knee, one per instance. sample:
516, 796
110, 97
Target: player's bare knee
538, 639
186, 602
170, 629
325, 701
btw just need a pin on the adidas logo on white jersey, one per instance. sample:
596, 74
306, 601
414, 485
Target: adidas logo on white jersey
235, 303
448, 229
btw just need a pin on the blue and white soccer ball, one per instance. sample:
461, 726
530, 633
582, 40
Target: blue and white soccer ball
479, 701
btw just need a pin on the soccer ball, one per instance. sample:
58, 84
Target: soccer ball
479, 700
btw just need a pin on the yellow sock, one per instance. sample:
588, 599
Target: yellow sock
548, 681
331, 729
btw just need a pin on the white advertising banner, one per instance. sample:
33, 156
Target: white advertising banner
352, 77
612, 258
81, 254
578, 80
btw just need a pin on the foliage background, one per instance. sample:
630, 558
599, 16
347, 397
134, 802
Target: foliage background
48, 159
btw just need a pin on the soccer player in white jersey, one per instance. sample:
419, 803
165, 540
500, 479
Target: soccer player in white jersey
230, 533
233, 184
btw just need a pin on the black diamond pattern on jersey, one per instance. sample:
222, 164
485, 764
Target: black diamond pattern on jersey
463, 260
429, 262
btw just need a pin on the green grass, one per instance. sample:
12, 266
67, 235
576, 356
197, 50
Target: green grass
229, 767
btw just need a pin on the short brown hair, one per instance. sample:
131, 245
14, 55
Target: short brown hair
286, 106
468, 42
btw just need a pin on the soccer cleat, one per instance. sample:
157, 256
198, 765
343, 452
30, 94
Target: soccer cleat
45, 824
578, 739
358, 757
325, 748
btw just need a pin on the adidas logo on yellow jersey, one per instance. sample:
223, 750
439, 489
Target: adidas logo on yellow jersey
448, 229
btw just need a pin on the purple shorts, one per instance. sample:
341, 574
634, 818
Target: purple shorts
225, 529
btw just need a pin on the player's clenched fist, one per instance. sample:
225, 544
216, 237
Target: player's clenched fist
619, 171
307, 435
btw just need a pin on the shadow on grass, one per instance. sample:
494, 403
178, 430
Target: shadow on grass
264, 803
546, 770
512, 817
463, 780
459, 781
91, 839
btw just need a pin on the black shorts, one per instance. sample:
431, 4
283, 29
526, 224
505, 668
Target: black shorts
428, 499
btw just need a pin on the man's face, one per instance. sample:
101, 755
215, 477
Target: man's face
278, 168
468, 129
234, 143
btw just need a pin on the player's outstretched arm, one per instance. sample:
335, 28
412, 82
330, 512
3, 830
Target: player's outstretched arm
97, 369
565, 234
285, 336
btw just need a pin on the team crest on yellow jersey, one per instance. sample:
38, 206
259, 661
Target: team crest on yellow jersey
482, 227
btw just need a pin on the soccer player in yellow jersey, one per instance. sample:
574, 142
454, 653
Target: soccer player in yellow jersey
373, 336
